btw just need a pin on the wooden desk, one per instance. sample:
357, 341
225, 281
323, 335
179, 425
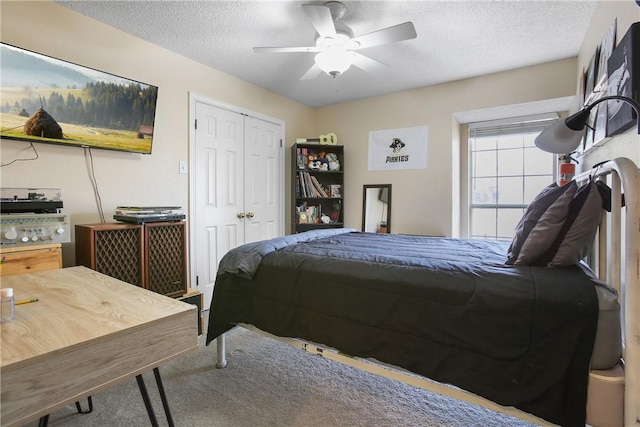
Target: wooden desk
87, 332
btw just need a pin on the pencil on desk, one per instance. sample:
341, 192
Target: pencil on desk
26, 301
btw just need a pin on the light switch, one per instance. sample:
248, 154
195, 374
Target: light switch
183, 166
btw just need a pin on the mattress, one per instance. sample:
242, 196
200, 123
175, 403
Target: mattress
447, 309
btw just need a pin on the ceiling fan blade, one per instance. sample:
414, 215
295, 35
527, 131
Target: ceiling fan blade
313, 72
286, 49
396, 33
320, 17
368, 64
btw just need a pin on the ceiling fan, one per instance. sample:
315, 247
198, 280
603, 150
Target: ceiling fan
336, 47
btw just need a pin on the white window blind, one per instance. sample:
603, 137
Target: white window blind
506, 170
529, 124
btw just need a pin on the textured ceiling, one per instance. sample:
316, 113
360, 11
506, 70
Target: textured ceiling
456, 39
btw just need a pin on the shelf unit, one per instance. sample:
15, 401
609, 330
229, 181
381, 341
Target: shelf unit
312, 194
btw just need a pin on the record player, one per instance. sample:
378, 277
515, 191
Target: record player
30, 200
32, 216
144, 214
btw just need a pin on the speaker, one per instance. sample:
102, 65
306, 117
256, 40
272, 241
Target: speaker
165, 247
150, 255
112, 249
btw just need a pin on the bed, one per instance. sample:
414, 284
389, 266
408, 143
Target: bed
459, 312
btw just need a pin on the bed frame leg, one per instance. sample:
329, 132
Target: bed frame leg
222, 356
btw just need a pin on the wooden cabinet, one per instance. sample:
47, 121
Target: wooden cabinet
152, 255
318, 186
30, 259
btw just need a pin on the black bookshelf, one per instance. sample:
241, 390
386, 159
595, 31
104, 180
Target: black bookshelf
317, 187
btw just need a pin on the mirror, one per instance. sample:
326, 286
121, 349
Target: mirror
376, 208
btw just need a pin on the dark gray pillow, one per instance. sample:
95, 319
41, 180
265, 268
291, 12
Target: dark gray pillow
578, 233
541, 224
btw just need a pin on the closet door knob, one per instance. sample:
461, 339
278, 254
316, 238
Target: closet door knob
241, 215
249, 214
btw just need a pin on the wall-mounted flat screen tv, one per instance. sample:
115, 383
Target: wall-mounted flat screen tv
43, 99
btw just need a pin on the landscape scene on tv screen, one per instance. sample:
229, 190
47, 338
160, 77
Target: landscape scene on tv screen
43, 99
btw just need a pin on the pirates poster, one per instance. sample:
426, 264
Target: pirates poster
398, 149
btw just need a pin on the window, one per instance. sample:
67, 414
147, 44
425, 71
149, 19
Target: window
506, 171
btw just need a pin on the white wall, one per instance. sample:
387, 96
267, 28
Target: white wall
423, 199
124, 178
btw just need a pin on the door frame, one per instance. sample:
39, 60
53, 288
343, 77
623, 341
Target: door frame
193, 99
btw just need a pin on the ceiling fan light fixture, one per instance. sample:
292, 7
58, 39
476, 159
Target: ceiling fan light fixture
335, 60
336, 47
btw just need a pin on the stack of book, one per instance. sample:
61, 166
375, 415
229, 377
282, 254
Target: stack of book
308, 214
308, 185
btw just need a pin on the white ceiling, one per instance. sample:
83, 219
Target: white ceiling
456, 39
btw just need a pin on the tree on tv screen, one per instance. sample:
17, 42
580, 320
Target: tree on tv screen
99, 104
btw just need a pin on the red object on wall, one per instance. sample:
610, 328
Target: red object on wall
566, 172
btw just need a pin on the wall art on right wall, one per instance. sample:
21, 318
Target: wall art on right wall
624, 80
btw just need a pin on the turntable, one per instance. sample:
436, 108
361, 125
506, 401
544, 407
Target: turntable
32, 216
141, 215
30, 200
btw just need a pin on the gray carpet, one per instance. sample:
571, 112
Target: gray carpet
267, 383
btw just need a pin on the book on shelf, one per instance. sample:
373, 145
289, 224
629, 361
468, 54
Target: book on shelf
308, 214
300, 187
318, 188
311, 191
308, 185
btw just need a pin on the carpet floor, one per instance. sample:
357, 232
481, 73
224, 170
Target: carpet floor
268, 384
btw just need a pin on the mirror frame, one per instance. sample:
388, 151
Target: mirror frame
364, 204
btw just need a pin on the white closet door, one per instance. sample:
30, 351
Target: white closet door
262, 180
237, 188
219, 191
